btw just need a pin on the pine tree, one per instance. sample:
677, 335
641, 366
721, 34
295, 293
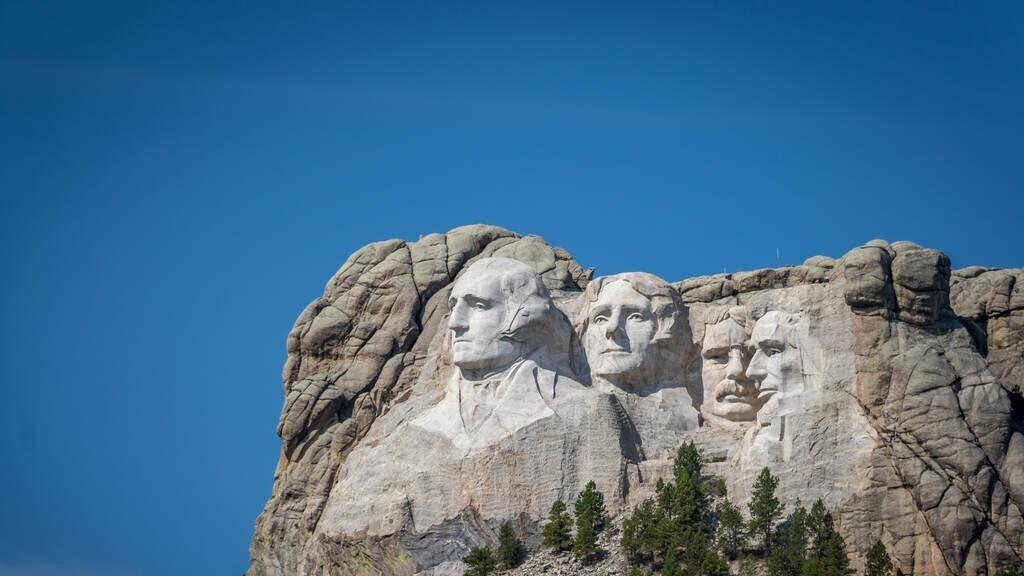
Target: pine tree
671, 567
713, 565
664, 494
764, 509
833, 556
591, 501
788, 558
688, 460
558, 531
638, 532
819, 526
746, 567
695, 548
731, 532
510, 550
878, 562
796, 534
585, 544
665, 536
689, 502
814, 567
826, 554
481, 561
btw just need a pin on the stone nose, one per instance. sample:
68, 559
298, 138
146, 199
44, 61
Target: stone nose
614, 325
757, 369
457, 320
735, 370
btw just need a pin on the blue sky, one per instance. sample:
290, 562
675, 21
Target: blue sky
177, 182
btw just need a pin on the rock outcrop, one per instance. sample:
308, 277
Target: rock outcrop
441, 387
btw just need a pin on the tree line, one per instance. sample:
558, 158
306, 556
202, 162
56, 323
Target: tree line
590, 520
678, 532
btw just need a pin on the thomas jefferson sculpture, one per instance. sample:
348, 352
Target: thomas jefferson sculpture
633, 330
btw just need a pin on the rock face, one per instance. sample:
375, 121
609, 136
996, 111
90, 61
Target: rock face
441, 387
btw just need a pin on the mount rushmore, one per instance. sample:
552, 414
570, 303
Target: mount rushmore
441, 387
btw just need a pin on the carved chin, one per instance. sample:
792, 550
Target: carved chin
769, 387
616, 364
468, 356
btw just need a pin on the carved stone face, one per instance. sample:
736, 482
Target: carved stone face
776, 364
728, 393
621, 327
479, 323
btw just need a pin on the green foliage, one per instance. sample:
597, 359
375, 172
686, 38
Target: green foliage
807, 545
481, 561
558, 531
591, 502
585, 544
832, 556
638, 532
664, 494
590, 519
688, 500
819, 525
1011, 570
765, 509
827, 553
731, 533
688, 460
787, 558
674, 527
716, 487
510, 550
671, 567
695, 547
746, 567
638, 571
878, 562
713, 565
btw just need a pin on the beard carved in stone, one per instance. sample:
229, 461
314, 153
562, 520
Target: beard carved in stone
509, 347
730, 396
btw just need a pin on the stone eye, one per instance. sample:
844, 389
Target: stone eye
479, 306
636, 317
600, 320
772, 351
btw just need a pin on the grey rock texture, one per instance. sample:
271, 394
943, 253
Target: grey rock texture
357, 350
883, 382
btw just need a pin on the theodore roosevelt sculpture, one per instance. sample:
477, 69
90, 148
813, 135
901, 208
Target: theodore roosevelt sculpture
509, 348
730, 396
633, 331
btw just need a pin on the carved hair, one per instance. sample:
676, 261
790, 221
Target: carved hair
531, 317
738, 314
666, 304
